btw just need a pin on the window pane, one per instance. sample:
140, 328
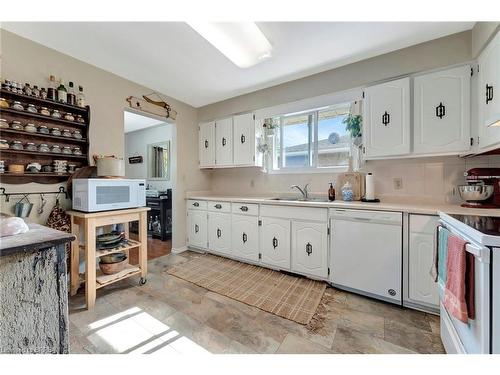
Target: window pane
296, 135
333, 139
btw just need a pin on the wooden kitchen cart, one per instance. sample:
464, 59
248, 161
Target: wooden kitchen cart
83, 226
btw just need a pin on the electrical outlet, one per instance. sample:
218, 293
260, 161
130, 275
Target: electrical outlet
397, 183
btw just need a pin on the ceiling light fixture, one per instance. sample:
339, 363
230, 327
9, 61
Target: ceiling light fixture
241, 42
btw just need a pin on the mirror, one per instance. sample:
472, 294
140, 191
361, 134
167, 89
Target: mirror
159, 161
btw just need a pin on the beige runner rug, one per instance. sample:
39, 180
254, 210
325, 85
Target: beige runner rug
291, 297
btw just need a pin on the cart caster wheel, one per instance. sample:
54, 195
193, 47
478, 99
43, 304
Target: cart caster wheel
143, 281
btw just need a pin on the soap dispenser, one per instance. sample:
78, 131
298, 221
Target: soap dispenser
331, 192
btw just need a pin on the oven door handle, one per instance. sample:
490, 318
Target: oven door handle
482, 253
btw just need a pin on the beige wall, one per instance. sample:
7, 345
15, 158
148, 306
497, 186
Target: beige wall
428, 179
25, 61
481, 35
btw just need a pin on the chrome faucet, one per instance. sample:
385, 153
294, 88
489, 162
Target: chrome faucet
304, 191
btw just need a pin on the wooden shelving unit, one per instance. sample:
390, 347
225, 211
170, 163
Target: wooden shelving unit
103, 280
44, 158
122, 248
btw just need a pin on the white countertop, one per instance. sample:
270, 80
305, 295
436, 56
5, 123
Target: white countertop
384, 205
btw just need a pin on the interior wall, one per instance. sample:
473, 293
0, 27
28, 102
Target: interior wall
26, 61
427, 179
136, 144
482, 34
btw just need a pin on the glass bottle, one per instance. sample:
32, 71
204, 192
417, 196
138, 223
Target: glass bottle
71, 94
51, 90
43, 93
80, 98
27, 89
62, 93
35, 92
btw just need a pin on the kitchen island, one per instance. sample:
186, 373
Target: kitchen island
33, 292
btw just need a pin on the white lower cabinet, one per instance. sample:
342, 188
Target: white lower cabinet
219, 233
197, 228
275, 242
422, 240
245, 237
310, 248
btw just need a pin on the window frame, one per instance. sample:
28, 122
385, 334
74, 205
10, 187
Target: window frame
313, 148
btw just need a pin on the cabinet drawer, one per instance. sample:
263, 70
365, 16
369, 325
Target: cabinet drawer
193, 204
423, 224
219, 206
299, 213
245, 209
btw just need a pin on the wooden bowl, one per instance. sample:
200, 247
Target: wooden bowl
112, 268
16, 168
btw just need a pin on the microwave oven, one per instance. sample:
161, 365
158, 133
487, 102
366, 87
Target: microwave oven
99, 194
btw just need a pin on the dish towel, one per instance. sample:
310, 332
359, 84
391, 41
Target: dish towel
438, 269
455, 286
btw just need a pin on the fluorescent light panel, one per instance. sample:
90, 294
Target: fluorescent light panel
241, 42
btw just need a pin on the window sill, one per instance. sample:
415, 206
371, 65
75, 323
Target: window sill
308, 170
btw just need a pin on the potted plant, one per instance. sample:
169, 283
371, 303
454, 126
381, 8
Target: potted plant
353, 126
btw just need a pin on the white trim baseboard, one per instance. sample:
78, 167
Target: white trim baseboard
179, 250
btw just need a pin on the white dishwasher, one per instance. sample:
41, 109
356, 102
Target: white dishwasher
366, 253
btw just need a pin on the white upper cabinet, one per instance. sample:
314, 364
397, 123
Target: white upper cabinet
244, 141
224, 142
386, 119
442, 112
489, 94
206, 148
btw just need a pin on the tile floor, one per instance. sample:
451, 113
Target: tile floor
174, 316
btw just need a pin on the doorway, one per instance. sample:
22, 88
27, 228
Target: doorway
149, 155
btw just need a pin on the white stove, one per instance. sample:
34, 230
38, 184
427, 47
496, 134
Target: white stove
481, 335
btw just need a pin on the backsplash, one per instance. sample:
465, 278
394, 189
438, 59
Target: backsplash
427, 180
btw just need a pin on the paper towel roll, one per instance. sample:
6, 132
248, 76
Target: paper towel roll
369, 187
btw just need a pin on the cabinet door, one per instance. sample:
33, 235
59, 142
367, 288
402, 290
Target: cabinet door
275, 242
207, 144
310, 248
386, 124
489, 94
197, 228
244, 139
245, 237
224, 142
442, 111
219, 233
422, 240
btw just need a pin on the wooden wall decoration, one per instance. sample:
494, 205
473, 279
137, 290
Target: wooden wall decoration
154, 107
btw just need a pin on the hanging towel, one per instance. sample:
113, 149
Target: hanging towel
438, 268
454, 294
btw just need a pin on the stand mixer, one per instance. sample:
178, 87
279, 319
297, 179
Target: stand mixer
482, 189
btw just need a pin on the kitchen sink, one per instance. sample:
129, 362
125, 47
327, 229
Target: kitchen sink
301, 199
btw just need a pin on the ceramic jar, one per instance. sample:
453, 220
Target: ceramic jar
31, 108
55, 131
30, 146
30, 128
43, 93
80, 119
4, 124
42, 129
44, 111
4, 144
66, 150
55, 149
43, 148
77, 151
69, 117
4, 103
16, 125
66, 133
17, 106
77, 134
56, 114
16, 145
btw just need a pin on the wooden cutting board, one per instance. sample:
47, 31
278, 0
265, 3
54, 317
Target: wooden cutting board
356, 180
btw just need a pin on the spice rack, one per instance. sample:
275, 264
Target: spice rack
25, 157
